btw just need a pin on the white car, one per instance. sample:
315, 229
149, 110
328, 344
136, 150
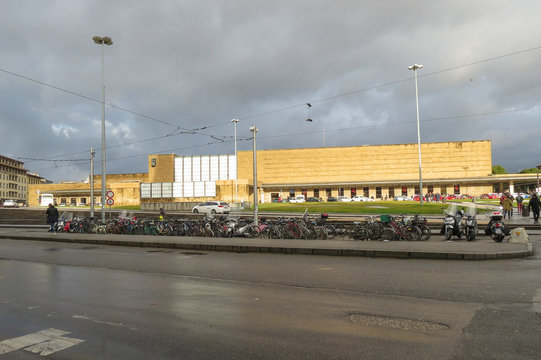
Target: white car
361, 198
212, 207
297, 199
402, 198
343, 199
10, 203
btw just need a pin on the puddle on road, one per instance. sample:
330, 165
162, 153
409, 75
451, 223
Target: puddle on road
397, 323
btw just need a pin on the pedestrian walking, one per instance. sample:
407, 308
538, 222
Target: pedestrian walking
162, 214
507, 207
519, 200
534, 206
52, 217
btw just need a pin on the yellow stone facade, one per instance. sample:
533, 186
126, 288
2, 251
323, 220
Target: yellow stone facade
381, 171
126, 188
368, 163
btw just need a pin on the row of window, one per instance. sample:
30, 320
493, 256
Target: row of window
10, 194
12, 178
392, 191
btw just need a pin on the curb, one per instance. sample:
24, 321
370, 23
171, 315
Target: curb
326, 251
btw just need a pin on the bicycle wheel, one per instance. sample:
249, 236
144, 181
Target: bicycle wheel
363, 233
425, 232
412, 234
331, 231
390, 235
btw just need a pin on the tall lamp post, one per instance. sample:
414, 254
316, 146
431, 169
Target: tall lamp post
538, 167
415, 68
253, 129
235, 121
102, 41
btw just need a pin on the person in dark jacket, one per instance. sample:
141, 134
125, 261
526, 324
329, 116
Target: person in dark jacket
534, 206
52, 217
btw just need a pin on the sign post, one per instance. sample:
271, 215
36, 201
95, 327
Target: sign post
110, 201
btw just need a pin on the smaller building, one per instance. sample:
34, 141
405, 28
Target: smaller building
126, 189
13, 180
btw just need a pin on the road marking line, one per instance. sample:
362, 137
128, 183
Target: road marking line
44, 342
537, 301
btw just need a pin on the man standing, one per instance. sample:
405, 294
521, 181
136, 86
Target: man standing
507, 206
52, 217
534, 206
519, 200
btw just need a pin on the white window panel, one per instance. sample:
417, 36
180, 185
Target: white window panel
199, 188
156, 190
214, 170
223, 167
210, 188
196, 168
177, 189
167, 190
178, 169
205, 168
232, 167
145, 191
187, 167
188, 189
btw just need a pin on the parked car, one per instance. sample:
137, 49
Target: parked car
212, 207
343, 199
313, 199
417, 197
450, 197
332, 199
297, 199
402, 198
361, 198
10, 203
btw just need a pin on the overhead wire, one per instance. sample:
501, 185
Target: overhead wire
221, 138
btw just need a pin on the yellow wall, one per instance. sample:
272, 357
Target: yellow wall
164, 171
368, 163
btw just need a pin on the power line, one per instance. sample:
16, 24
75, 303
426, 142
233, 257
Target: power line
198, 130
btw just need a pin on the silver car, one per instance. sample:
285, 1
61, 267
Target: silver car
212, 207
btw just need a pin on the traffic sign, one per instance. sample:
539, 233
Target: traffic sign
109, 202
110, 194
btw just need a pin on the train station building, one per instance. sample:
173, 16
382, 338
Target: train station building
381, 172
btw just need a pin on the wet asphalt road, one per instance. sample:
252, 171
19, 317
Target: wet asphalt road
169, 304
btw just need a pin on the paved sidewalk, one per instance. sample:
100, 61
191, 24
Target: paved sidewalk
483, 248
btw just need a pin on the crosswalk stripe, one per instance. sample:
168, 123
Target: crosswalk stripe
44, 342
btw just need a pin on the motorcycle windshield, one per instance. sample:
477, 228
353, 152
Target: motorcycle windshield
471, 210
452, 209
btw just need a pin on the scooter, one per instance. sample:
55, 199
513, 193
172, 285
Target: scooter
496, 227
452, 223
242, 227
470, 224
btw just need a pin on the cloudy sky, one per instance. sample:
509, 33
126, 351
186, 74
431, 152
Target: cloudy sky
178, 72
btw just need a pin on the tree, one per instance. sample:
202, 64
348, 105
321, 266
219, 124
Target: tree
498, 169
528, 171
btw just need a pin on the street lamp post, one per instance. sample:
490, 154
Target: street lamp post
415, 68
102, 41
253, 129
235, 121
538, 167
92, 153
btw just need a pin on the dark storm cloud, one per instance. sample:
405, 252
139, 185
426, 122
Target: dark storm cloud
187, 65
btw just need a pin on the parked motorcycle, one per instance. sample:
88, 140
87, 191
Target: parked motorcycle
452, 223
470, 223
241, 227
496, 228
